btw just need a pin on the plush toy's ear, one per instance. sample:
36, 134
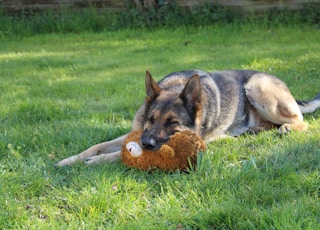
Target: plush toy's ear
152, 88
166, 151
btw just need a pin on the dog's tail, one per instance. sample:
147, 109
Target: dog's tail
309, 106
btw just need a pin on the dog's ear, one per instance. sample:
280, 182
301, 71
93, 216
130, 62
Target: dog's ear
191, 94
152, 88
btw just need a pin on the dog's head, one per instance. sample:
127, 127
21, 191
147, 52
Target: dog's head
170, 110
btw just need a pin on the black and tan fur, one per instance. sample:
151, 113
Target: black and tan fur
214, 105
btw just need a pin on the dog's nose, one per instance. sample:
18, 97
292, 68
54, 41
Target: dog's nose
148, 143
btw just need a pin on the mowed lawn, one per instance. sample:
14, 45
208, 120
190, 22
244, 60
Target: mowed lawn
60, 94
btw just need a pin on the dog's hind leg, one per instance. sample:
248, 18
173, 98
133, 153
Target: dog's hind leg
107, 150
273, 102
292, 119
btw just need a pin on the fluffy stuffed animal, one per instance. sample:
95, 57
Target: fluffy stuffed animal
179, 153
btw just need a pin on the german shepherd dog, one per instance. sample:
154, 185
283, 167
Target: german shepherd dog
214, 105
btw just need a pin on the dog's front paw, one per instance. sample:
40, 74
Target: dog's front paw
66, 162
93, 160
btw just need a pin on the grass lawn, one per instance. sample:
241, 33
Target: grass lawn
61, 94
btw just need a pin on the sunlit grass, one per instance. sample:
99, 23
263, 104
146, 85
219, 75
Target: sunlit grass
63, 93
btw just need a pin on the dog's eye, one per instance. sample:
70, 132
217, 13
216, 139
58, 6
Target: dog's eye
171, 122
151, 119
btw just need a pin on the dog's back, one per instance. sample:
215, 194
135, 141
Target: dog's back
237, 101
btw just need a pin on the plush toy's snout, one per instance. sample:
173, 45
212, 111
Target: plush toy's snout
134, 149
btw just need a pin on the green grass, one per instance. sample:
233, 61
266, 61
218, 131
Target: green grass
63, 93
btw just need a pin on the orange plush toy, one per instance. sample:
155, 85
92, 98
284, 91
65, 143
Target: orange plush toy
179, 153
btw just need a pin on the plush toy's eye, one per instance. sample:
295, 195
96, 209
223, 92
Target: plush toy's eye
134, 149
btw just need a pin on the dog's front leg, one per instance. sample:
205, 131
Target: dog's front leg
105, 148
109, 157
